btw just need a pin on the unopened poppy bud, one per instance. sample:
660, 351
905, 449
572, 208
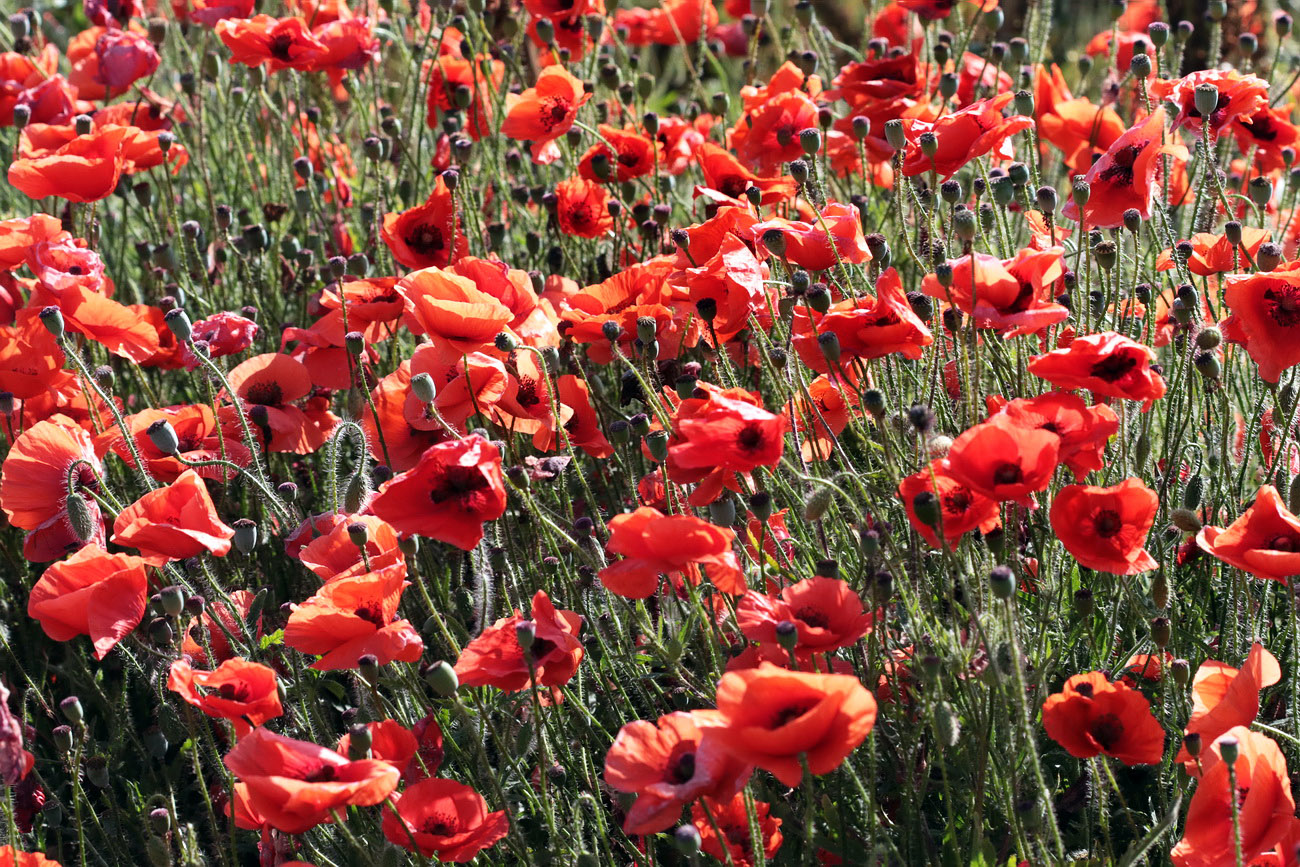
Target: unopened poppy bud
409, 545
1024, 103
368, 668
787, 635
1282, 23
22, 116
1268, 257
160, 820
506, 342
1206, 99
72, 710
760, 504
1260, 190
1106, 254
829, 343
160, 632
1229, 749
640, 424
442, 678
657, 443
687, 839
52, 318
63, 738
245, 535
947, 725
799, 171
1160, 632
80, 519
163, 436
173, 599
818, 502
1181, 671
1185, 520
927, 508
810, 140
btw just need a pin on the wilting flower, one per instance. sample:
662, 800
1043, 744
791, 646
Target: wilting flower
1264, 541
1092, 716
1106, 528
15, 761
496, 657
444, 819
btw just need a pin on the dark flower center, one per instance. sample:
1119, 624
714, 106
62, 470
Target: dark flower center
1107, 730
957, 502
440, 825
1121, 167
792, 712
1008, 473
373, 613
1107, 523
750, 437
813, 617
1114, 367
682, 770
426, 239
463, 486
265, 393
1282, 542
1282, 302
279, 47
324, 774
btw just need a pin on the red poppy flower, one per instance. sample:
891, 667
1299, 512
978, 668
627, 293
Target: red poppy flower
543, 113
633, 154
1003, 461
274, 382
1013, 296
238, 690
1084, 430
1106, 528
963, 136
1266, 318
581, 208
85, 169
92, 593
452, 77
173, 523
444, 819
405, 444
671, 22
416, 752
653, 544
1264, 541
334, 554
581, 428
198, 437
280, 43
1079, 128
731, 817
1239, 96
866, 327
725, 430
1215, 254
427, 235
495, 658
1091, 716
448, 495
11, 857
732, 279
668, 764
1269, 131
1107, 364
352, 617
1265, 813
771, 717
293, 786
1224, 697
767, 134
48, 463
727, 175
1125, 176
825, 612
835, 237
452, 308
963, 509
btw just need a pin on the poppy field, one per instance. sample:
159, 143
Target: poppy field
655, 432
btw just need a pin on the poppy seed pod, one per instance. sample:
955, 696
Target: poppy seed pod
657, 444
927, 508
1160, 632
163, 436
760, 504
1209, 337
861, 126
1083, 602
1206, 99
1046, 199
1282, 23
1024, 103
1207, 365
1140, 65
687, 839
829, 343
1002, 582
810, 140
63, 738
964, 224
354, 342
52, 318
799, 171
1106, 254
818, 502
1229, 749
1132, 220
929, 143
1260, 191
1268, 257
948, 84
72, 710
1185, 520
774, 241
1081, 191
173, 600
245, 537
895, 135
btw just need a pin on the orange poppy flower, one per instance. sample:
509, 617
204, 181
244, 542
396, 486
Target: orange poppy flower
85, 169
293, 786
334, 554
451, 308
581, 208
49, 462
496, 658
653, 544
732, 819
732, 279
1106, 528
1003, 461
454, 489
833, 238
280, 43
963, 509
1224, 697
866, 327
274, 382
444, 819
92, 593
963, 136
1214, 254
1013, 296
427, 235
543, 113
1091, 716
1084, 430
772, 717
466, 384
173, 523
727, 430
1265, 805
1239, 96
198, 436
724, 173
671, 22
1266, 318
352, 617
581, 428
1268, 131
450, 76
1125, 175
405, 443
238, 690
11, 857
417, 752
1080, 129
1107, 364
1264, 541
825, 612
633, 154
767, 134
30, 360
667, 765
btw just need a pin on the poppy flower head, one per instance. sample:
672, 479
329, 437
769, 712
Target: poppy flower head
237, 690
1002, 461
731, 817
1092, 716
173, 523
1124, 177
428, 235
92, 593
728, 429
1266, 318
1264, 541
825, 612
496, 658
963, 508
1238, 95
352, 617
444, 819
1224, 697
1107, 364
1106, 528
654, 544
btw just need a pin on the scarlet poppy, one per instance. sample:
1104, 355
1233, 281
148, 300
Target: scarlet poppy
731, 280
279, 43
767, 134
275, 382
92, 593
732, 818
772, 718
672, 22
85, 169
581, 208
723, 172
293, 786
825, 612
653, 544
1269, 131
335, 555
1265, 807
1215, 254
581, 427
496, 658
11, 857
963, 509
453, 309
402, 443
1106, 528
668, 764
1238, 95
1264, 541
444, 819
963, 136
629, 153
49, 462
454, 489
352, 617
173, 522
198, 439
238, 690
428, 235
1125, 175
417, 752
865, 327
1091, 716
1224, 697
1107, 364
543, 113
1002, 461
833, 237
726, 429
1084, 430
1266, 317
1012, 296
1080, 129
451, 78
